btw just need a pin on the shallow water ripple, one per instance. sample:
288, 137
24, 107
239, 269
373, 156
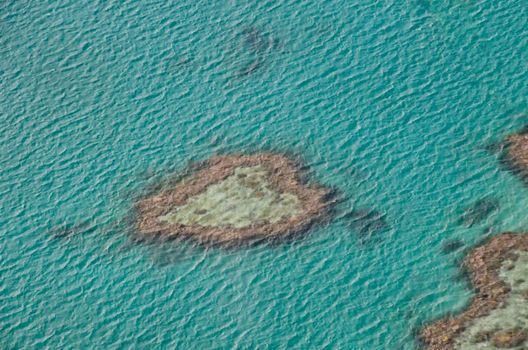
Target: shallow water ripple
389, 102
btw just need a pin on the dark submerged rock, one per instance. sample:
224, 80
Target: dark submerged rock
494, 147
451, 245
250, 67
358, 173
461, 277
67, 230
488, 231
258, 44
255, 40
523, 130
479, 211
367, 222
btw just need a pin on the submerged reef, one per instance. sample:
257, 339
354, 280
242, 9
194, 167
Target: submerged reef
255, 40
258, 45
497, 317
479, 211
68, 230
368, 223
516, 155
236, 199
451, 245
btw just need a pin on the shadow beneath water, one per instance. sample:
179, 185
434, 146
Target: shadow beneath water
480, 210
67, 230
258, 45
368, 223
452, 245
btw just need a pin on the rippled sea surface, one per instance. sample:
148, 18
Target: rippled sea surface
395, 103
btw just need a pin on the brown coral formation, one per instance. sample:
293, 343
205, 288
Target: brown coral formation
517, 153
280, 184
483, 264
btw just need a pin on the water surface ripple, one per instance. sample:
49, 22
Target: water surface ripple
392, 102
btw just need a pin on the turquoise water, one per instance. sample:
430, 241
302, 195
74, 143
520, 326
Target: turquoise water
391, 102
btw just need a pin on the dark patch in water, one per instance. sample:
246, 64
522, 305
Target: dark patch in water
461, 276
255, 40
488, 231
507, 164
451, 245
250, 67
494, 147
479, 211
359, 174
257, 44
167, 259
368, 223
67, 230
333, 195
524, 130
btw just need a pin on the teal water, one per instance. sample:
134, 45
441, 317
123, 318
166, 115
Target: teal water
390, 102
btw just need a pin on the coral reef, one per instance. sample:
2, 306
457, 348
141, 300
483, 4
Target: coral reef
497, 317
236, 199
516, 155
